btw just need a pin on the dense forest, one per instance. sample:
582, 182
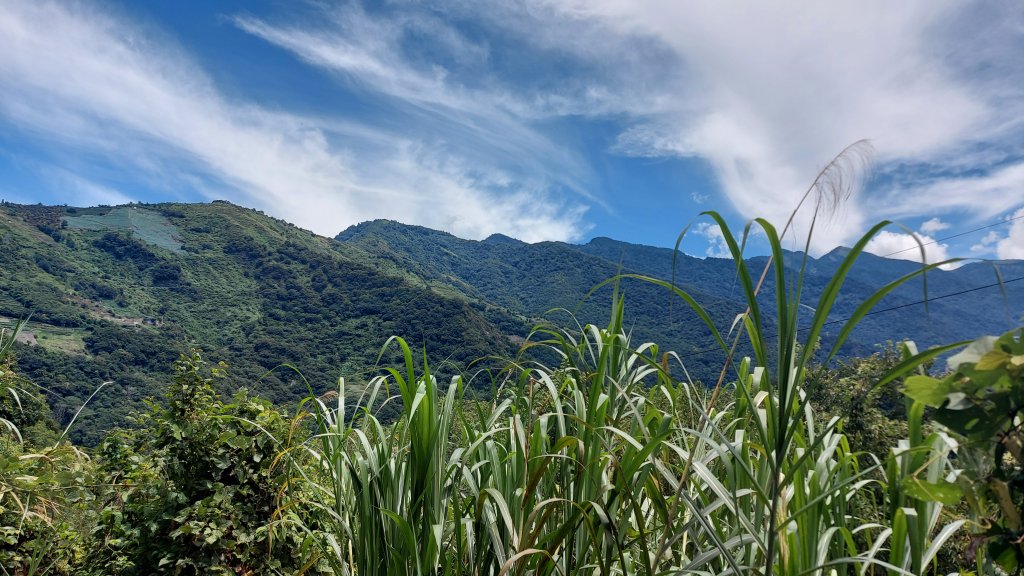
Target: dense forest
116, 294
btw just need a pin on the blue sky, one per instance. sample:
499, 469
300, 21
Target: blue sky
540, 120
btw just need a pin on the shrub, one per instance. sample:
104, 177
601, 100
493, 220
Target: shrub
195, 484
982, 402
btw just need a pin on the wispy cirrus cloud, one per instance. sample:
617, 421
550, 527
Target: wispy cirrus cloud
81, 78
486, 116
767, 93
983, 195
428, 73
90, 192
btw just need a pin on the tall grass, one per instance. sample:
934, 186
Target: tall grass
602, 463
7, 378
36, 482
799, 474
376, 499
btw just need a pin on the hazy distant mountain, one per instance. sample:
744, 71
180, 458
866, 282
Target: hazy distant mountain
955, 311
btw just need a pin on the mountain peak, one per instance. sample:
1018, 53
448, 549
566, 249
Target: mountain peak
502, 239
384, 227
367, 227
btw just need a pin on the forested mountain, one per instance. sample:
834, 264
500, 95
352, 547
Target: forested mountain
534, 277
116, 293
551, 279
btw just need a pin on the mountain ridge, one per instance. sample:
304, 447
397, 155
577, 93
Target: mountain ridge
116, 292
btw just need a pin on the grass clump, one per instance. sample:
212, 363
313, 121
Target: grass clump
602, 462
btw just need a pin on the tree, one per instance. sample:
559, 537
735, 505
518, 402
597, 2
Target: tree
196, 482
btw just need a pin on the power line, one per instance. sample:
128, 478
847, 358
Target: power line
937, 240
873, 312
950, 295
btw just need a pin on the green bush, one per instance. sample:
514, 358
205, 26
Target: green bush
42, 480
982, 402
195, 485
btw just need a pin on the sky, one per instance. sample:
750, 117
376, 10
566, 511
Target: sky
540, 120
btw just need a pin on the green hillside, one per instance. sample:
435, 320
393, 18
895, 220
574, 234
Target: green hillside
115, 294
533, 279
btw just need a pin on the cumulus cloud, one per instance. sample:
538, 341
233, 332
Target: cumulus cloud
933, 225
1012, 246
712, 234
74, 75
908, 247
986, 243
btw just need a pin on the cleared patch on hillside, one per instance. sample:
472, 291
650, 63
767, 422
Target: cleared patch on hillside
147, 225
56, 338
101, 312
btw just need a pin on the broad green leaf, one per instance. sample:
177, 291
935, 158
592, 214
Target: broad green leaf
927, 390
992, 360
942, 491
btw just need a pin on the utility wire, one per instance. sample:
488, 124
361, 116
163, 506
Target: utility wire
950, 295
873, 312
937, 240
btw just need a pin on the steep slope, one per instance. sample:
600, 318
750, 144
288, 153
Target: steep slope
533, 279
116, 293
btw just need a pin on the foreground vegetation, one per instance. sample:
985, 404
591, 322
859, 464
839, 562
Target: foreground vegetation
592, 458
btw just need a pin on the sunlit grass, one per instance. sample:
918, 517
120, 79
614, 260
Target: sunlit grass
599, 464
602, 462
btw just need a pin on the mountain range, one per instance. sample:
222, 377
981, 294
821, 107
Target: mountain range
114, 294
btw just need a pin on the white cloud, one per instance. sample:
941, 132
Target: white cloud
1012, 247
698, 198
453, 103
933, 225
712, 233
74, 75
908, 247
89, 192
767, 93
986, 243
984, 196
